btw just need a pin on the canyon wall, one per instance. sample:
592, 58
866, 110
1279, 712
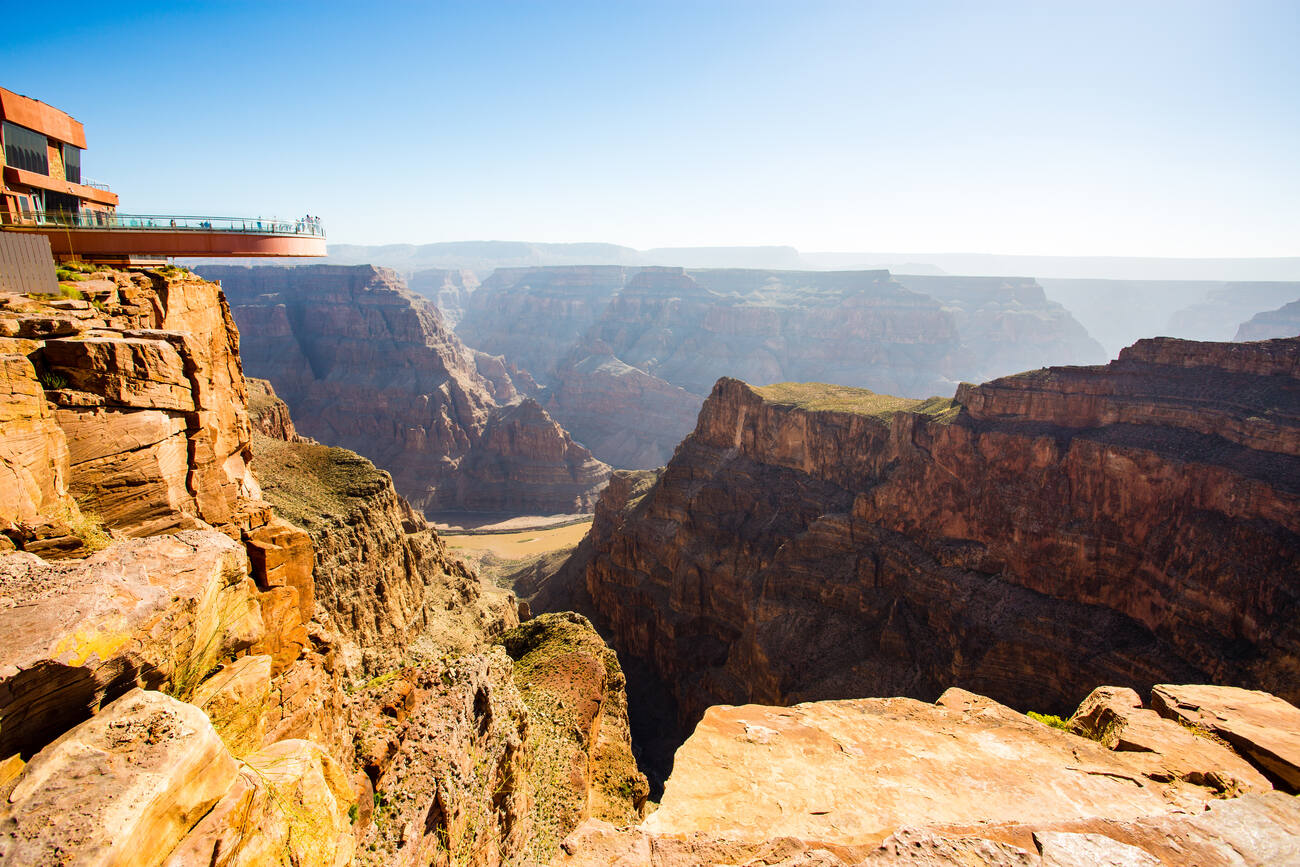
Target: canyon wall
628, 355
187, 678
366, 365
446, 289
1282, 322
1040, 534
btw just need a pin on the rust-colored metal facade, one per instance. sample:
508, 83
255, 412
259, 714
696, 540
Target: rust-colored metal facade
26, 265
25, 191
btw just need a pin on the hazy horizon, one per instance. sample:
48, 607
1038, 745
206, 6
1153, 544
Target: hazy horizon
1160, 129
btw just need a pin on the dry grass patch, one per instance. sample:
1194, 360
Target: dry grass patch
824, 397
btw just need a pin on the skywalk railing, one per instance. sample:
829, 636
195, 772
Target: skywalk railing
171, 222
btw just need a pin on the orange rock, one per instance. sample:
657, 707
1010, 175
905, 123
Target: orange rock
1262, 727
121, 788
1114, 716
163, 610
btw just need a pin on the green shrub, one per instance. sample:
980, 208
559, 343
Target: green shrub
67, 290
52, 380
1052, 720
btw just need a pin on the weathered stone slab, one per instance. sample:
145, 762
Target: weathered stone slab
851, 772
120, 789
1114, 716
155, 611
1262, 727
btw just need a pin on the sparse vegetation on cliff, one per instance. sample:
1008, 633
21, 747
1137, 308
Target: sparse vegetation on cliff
1052, 720
824, 397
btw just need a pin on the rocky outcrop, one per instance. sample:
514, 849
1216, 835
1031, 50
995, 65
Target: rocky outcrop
131, 409
1282, 322
122, 788
160, 611
269, 415
382, 577
1115, 717
365, 364
1129, 524
1262, 727
963, 781
619, 346
579, 752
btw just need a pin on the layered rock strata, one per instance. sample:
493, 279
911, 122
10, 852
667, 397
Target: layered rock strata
132, 408
365, 364
1129, 524
628, 355
963, 781
242, 748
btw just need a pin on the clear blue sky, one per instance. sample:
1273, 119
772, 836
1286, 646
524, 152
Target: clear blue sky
1088, 128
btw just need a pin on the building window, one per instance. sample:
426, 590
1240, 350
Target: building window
61, 203
26, 149
72, 163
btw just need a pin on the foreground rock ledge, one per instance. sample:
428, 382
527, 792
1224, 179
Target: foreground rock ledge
965, 781
121, 789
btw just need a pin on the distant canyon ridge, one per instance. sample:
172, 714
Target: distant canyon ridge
626, 356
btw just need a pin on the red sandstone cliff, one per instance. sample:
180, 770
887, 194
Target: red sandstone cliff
367, 365
1127, 524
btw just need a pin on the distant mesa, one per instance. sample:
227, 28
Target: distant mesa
1282, 322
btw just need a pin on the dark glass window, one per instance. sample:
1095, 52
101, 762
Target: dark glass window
72, 163
25, 149
61, 203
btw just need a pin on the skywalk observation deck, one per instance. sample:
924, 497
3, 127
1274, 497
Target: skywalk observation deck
110, 236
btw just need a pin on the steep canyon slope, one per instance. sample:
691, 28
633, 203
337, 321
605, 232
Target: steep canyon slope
367, 365
186, 678
628, 355
1036, 536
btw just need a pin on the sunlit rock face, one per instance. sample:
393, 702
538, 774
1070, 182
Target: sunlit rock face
365, 364
1129, 524
966, 780
628, 355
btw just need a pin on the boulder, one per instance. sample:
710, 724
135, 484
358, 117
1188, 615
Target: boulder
852, 772
289, 808
1262, 727
120, 789
1114, 716
237, 698
162, 610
